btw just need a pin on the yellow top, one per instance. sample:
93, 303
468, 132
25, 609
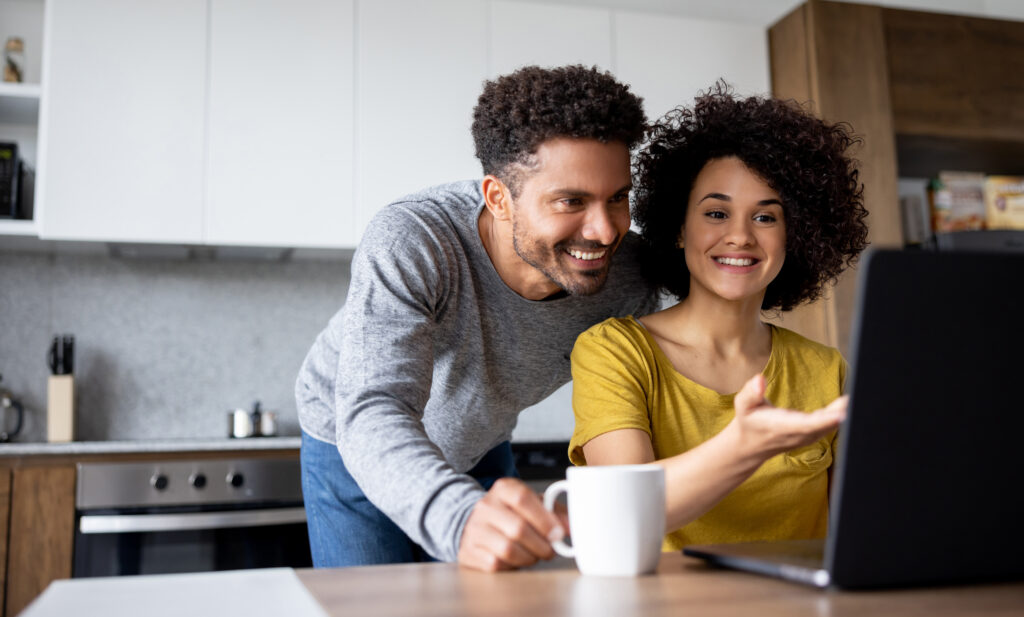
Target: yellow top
622, 379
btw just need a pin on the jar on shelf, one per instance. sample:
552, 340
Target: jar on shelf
14, 59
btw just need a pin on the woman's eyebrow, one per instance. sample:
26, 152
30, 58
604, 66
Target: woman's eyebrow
718, 196
724, 197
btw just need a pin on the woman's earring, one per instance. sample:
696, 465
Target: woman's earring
680, 244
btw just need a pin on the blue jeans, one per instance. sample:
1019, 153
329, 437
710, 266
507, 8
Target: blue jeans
345, 529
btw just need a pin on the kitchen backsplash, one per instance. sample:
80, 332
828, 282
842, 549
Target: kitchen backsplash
164, 348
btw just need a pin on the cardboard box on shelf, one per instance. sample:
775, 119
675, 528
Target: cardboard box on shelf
1004, 202
914, 214
957, 201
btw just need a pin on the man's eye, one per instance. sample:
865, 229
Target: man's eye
621, 197
571, 201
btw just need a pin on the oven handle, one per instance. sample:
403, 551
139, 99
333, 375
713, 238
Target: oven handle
126, 523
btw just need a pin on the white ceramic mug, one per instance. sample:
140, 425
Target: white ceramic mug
616, 518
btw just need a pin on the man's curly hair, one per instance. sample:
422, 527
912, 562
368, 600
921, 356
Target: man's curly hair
801, 157
517, 112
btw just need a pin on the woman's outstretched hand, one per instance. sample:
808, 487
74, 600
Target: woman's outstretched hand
762, 431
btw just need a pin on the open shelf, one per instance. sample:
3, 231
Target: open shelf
14, 227
924, 156
19, 103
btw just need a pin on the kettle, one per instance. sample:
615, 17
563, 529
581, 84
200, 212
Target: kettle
7, 402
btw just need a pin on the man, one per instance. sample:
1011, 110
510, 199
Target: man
464, 303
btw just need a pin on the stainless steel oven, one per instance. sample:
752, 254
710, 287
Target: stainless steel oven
188, 516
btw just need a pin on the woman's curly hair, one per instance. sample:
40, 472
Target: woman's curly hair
517, 112
801, 157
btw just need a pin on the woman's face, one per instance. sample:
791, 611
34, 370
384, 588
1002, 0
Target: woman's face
734, 233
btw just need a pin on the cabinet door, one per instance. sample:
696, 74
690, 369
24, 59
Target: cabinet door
668, 60
523, 33
420, 66
122, 120
5, 519
281, 124
42, 532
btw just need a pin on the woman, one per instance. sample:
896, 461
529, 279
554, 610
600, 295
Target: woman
746, 206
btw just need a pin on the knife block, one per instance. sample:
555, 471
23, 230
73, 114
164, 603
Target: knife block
60, 408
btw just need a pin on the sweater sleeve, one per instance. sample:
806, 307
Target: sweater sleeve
400, 275
611, 382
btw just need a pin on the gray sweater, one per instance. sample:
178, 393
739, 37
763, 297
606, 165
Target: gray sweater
432, 357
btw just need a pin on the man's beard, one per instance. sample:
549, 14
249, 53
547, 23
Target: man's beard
573, 282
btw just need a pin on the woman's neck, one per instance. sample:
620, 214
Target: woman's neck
724, 328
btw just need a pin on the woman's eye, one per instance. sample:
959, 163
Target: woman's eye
765, 218
715, 214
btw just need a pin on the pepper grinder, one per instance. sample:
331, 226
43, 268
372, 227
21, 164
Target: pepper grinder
60, 390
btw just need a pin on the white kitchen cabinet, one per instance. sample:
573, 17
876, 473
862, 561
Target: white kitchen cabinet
419, 70
216, 122
523, 33
123, 120
668, 59
269, 123
280, 134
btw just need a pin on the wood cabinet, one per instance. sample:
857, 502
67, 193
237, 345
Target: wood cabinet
37, 515
41, 531
834, 56
924, 91
957, 88
5, 517
955, 76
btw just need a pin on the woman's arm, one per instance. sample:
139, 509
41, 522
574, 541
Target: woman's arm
699, 478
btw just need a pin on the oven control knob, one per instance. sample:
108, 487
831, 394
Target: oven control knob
236, 479
197, 480
159, 481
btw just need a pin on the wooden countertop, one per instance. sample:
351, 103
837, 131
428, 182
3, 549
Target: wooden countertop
682, 586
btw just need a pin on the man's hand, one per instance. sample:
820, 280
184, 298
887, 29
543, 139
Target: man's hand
765, 431
509, 528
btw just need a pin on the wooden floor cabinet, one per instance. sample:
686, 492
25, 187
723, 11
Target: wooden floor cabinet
37, 510
37, 514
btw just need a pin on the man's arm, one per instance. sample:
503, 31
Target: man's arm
384, 381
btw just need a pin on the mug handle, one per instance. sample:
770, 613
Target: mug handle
550, 495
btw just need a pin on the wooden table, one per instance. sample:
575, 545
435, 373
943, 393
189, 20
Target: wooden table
682, 586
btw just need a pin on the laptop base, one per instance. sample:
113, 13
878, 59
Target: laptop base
800, 561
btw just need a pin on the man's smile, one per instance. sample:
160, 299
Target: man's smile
590, 255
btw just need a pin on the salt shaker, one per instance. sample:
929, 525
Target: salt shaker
14, 59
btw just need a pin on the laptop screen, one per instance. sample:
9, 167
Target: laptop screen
927, 479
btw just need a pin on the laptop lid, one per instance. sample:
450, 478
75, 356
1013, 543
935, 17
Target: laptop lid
926, 484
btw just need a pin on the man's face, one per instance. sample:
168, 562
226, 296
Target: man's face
573, 211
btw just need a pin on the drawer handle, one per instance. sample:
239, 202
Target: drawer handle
128, 523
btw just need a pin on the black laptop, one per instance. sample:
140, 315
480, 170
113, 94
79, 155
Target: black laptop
928, 480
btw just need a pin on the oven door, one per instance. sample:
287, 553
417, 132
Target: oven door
196, 539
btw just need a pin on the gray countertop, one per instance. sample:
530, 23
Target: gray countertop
150, 445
